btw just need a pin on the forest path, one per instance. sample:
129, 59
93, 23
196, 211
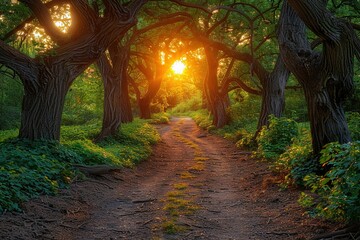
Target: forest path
196, 185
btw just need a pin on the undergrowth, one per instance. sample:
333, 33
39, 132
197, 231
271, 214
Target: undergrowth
31, 168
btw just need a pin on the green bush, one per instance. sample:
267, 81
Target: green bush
30, 168
296, 162
353, 119
274, 140
203, 119
246, 140
339, 189
159, 118
190, 105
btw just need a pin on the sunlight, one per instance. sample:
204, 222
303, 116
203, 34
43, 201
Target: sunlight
2, 18
62, 17
178, 67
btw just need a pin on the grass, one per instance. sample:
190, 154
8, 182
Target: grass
186, 175
31, 168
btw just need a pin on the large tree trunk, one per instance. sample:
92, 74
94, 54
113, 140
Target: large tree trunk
273, 94
217, 102
47, 78
327, 78
41, 112
144, 107
126, 111
114, 77
153, 89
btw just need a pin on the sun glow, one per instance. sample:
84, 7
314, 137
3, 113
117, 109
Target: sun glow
178, 67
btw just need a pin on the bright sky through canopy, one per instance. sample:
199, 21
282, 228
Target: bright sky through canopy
178, 67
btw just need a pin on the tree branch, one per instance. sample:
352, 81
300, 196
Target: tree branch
42, 13
225, 88
315, 15
24, 66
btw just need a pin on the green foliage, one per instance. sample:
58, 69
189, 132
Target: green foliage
84, 101
191, 105
6, 134
203, 119
274, 140
246, 140
30, 168
353, 120
296, 162
11, 93
244, 111
338, 189
159, 118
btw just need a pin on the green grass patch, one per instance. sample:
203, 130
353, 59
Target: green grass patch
186, 175
159, 118
170, 227
181, 186
32, 168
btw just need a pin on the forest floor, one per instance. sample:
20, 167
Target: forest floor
194, 186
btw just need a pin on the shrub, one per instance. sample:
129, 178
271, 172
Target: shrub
273, 140
192, 104
203, 119
296, 162
339, 189
159, 118
246, 141
353, 119
30, 168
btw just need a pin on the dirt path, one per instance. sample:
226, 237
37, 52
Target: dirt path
194, 186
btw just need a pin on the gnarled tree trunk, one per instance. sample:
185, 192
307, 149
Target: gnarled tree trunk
46, 79
273, 93
218, 103
114, 77
327, 78
41, 111
126, 110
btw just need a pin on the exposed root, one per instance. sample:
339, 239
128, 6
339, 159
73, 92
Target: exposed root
352, 232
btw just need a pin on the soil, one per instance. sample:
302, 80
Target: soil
228, 195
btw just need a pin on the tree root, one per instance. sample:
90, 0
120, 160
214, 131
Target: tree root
352, 232
96, 170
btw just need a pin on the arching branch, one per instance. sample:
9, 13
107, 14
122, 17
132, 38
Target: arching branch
42, 13
225, 87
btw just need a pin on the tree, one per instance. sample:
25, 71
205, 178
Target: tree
240, 29
47, 77
326, 76
117, 107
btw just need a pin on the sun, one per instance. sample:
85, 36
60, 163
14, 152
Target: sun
178, 67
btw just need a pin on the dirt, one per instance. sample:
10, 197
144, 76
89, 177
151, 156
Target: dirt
230, 194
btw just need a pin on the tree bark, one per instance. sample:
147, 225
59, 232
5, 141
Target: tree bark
326, 77
217, 101
154, 84
47, 78
126, 110
273, 94
116, 97
144, 107
41, 112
